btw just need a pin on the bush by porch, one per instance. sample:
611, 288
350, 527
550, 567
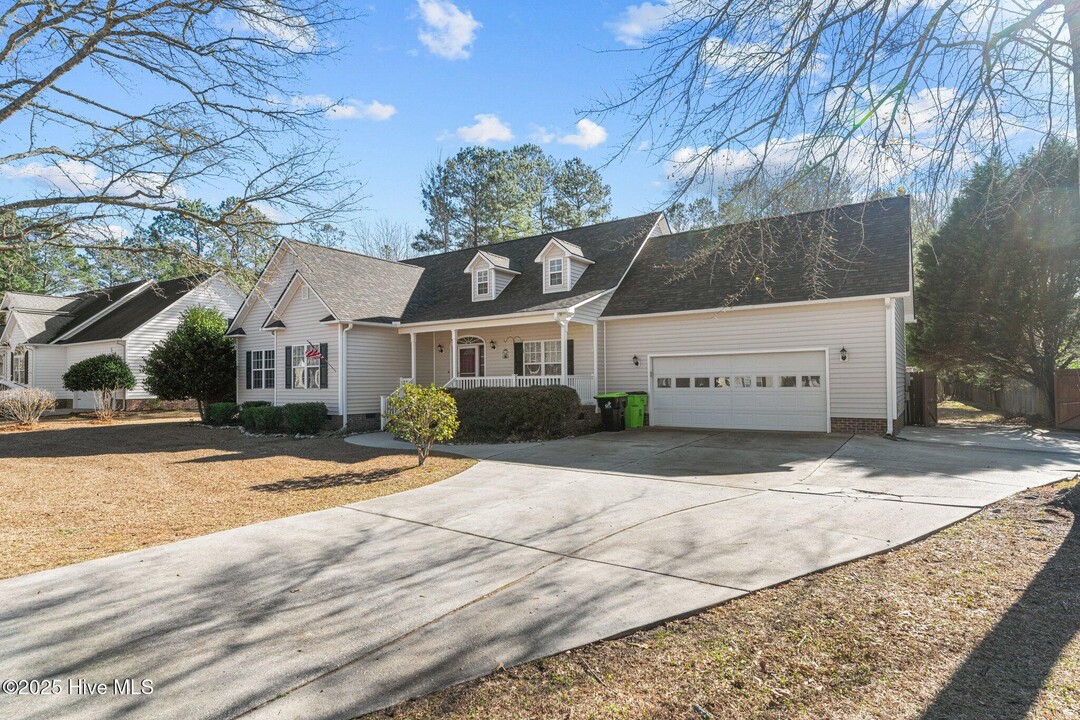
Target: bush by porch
502, 414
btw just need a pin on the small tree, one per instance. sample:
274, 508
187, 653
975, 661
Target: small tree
102, 375
422, 416
194, 362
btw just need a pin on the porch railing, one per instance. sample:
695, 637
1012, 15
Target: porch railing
584, 384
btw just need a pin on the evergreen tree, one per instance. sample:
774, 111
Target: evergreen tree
194, 361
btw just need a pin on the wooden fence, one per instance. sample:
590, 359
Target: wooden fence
1067, 399
1015, 397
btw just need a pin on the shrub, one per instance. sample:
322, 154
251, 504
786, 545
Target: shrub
304, 418
422, 416
246, 410
102, 375
263, 419
225, 413
542, 412
194, 362
25, 407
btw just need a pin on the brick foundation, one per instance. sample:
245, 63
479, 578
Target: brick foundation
859, 426
64, 404
360, 423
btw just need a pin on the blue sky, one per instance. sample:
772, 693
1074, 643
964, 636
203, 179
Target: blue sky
527, 69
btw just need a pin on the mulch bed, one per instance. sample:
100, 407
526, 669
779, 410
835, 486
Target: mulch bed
74, 490
981, 621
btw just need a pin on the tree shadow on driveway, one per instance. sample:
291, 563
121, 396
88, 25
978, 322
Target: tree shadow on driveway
1002, 677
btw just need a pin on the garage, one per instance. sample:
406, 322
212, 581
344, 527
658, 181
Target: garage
775, 390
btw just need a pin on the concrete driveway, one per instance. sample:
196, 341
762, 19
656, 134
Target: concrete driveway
537, 549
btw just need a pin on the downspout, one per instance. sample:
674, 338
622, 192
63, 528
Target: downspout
605, 355
890, 363
343, 373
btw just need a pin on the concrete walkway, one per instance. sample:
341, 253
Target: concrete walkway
538, 549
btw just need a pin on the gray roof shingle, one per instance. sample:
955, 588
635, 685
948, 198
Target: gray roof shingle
136, 312
43, 318
870, 254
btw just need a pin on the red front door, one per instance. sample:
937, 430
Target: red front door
467, 362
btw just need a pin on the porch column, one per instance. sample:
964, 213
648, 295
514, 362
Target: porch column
563, 325
595, 358
412, 342
453, 354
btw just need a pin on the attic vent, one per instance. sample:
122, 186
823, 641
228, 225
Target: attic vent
305, 293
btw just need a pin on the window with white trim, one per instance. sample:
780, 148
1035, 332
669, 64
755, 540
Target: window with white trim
262, 369
20, 367
542, 357
483, 282
555, 272
305, 366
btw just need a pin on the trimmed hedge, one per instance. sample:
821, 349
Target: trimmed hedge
304, 418
526, 413
263, 419
224, 413
245, 412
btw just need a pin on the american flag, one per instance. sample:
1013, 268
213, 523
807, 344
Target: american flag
313, 352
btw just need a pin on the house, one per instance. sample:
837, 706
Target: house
44, 335
622, 305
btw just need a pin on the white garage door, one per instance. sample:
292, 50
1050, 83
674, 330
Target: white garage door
760, 391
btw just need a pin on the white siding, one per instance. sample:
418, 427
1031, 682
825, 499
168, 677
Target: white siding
502, 279
48, 363
268, 290
378, 359
76, 353
576, 269
301, 318
901, 359
858, 386
258, 340
214, 293
505, 336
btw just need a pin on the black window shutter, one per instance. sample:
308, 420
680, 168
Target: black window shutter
569, 357
288, 367
324, 373
269, 369
519, 358
247, 367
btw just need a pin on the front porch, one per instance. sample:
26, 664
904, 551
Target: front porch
525, 354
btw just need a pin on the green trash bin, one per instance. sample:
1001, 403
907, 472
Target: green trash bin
612, 411
635, 408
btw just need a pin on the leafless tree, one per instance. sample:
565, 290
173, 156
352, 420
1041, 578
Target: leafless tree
385, 238
900, 95
111, 109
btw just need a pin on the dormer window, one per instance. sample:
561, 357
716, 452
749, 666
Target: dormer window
491, 274
555, 272
483, 282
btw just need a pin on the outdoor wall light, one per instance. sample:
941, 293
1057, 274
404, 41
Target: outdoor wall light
843, 354
506, 353
492, 344
636, 361
440, 347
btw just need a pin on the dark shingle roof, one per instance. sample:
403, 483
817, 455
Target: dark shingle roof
869, 255
444, 292
43, 318
137, 311
356, 287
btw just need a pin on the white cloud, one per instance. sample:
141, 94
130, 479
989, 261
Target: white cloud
347, 109
73, 177
267, 18
638, 22
588, 135
541, 135
488, 128
447, 30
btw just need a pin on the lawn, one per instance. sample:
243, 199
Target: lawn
73, 490
980, 622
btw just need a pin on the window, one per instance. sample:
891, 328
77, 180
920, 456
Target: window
305, 293
721, 381
743, 381
483, 284
305, 366
663, 382
542, 357
555, 272
764, 381
702, 382
20, 367
262, 369
811, 381
787, 381
682, 382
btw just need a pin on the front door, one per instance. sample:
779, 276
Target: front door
467, 362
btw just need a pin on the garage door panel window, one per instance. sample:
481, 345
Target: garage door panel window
682, 382
721, 381
702, 382
811, 381
663, 383
743, 381
764, 381
787, 381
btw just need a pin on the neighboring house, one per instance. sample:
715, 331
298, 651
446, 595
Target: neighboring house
614, 306
44, 335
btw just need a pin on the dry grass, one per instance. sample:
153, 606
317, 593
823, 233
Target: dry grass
979, 621
958, 412
74, 489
